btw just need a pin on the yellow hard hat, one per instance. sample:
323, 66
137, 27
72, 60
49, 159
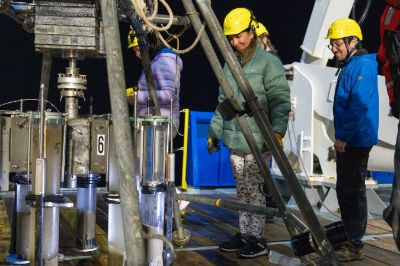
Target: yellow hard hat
344, 27
260, 28
237, 20
132, 39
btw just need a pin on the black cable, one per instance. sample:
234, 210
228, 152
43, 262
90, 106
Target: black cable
363, 14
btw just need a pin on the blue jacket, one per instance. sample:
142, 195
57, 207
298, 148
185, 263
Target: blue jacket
356, 105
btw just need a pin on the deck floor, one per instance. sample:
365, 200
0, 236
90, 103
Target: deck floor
208, 226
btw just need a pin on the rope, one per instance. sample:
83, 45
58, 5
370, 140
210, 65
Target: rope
176, 127
140, 8
155, 10
177, 50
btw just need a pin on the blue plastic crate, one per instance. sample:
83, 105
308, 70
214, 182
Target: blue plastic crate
382, 177
206, 170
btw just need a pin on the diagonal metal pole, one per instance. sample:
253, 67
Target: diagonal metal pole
144, 52
134, 243
217, 68
261, 119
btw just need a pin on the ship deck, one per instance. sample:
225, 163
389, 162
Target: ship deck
208, 226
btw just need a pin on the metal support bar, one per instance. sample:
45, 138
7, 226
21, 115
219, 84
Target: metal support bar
132, 224
163, 19
228, 204
144, 52
39, 189
261, 119
177, 20
177, 213
42, 118
45, 76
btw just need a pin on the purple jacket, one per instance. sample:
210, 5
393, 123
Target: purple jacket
166, 67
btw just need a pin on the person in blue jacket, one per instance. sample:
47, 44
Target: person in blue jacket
356, 119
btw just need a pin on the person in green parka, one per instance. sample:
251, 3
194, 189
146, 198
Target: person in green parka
267, 78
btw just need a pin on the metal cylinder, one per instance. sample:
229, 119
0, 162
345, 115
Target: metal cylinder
86, 212
53, 136
154, 134
19, 248
71, 107
78, 150
152, 210
72, 86
33, 136
51, 235
137, 148
152, 142
22, 221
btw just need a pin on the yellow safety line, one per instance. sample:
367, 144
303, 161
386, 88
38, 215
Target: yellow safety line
185, 146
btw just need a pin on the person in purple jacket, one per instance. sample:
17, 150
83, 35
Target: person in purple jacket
166, 66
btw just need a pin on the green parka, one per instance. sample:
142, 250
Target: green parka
267, 78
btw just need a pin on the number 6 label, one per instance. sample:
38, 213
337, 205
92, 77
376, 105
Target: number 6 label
101, 144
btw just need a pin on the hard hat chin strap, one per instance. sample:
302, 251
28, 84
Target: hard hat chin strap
350, 51
252, 18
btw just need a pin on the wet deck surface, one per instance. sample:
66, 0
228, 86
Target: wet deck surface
208, 226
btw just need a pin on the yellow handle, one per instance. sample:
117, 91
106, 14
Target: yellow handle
185, 148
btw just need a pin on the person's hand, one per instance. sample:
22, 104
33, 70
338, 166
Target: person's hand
278, 137
340, 146
212, 145
131, 99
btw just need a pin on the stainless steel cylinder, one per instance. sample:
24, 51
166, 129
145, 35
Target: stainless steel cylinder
72, 107
78, 159
53, 137
86, 212
22, 221
20, 236
154, 139
72, 86
5, 151
25, 149
137, 148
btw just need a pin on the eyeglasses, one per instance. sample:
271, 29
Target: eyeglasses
335, 44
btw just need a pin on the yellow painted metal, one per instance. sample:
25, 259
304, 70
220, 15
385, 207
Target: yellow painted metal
185, 146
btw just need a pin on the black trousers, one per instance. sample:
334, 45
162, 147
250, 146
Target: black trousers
351, 168
392, 213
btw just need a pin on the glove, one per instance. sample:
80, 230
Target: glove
278, 137
212, 145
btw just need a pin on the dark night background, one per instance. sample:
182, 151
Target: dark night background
286, 20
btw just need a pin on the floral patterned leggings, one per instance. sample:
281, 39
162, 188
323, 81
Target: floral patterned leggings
248, 177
